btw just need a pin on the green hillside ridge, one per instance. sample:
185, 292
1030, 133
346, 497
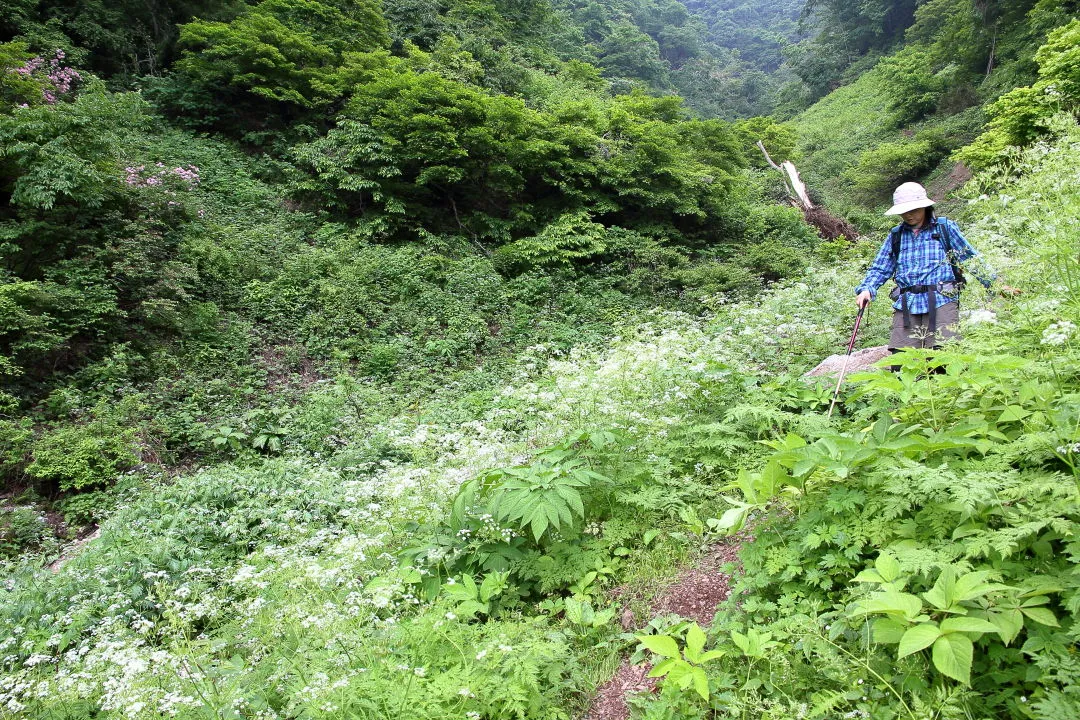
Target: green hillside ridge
915, 113
397, 350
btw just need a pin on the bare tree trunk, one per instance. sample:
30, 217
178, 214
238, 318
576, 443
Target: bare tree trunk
794, 185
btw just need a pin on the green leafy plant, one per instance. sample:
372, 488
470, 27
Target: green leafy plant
21, 530
268, 429
226, 436
758, 489
584, 618
958, 610
684, 667
78, 457
471, 599
542, 497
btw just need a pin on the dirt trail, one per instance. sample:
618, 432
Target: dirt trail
694, 594
70, 551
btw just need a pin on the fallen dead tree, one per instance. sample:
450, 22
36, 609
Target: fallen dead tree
828, 225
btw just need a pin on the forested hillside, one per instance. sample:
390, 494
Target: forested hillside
941, 106
370, 359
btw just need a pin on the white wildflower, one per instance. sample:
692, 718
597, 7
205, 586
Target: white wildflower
1058, 333
979, 317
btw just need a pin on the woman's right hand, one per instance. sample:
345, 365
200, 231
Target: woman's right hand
863, 299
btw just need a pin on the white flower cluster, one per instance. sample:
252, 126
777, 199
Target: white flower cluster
980, 317
1058, 333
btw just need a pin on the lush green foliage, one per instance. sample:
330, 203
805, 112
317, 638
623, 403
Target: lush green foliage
420, 152
1023, 114
271, 63
126, 38
21, 529
910, 116
757, 30
365, 394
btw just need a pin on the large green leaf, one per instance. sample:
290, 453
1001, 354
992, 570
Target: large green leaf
892, 602
539, 525
941, 594
695, 642
869, 575
701, 682
952, 656
967, 624
733, 519
973, 585
888, 631
918, 638
888, 567
1013, 413
662, 645
577, 612
664, 667
470, 608
572, 498
1041, 615
1008, 624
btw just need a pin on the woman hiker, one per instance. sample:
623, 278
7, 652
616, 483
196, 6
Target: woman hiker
923, 254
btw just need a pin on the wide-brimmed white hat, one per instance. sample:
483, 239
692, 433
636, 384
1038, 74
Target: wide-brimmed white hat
909, 196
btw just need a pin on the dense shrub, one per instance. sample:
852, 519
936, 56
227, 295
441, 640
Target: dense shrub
889, 164
1023, 114
83, 456
912, 86
22, 529
778, 138
420, 152
277, 61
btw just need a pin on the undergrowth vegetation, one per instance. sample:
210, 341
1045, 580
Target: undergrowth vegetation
911, 556
401, 352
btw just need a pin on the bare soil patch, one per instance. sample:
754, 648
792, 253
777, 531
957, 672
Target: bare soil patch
695, 594
946, 184
610, 702
698, 591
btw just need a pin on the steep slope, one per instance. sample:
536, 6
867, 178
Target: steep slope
914, 114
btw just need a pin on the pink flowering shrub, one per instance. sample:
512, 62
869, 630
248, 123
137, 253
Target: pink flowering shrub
159, 175
164, 183
55, 79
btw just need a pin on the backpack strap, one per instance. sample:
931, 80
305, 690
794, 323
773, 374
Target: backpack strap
894, 241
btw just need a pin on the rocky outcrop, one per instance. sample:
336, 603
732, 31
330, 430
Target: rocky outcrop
860, 360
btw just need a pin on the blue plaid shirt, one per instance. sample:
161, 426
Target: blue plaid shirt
922, 261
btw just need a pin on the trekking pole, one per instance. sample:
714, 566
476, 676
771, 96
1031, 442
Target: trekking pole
847, 358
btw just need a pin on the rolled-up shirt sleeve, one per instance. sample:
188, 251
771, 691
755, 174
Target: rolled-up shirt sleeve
967, 256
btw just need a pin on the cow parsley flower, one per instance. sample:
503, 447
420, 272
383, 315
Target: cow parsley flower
1058, 333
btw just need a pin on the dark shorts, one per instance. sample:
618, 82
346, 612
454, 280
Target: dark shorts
918, 335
